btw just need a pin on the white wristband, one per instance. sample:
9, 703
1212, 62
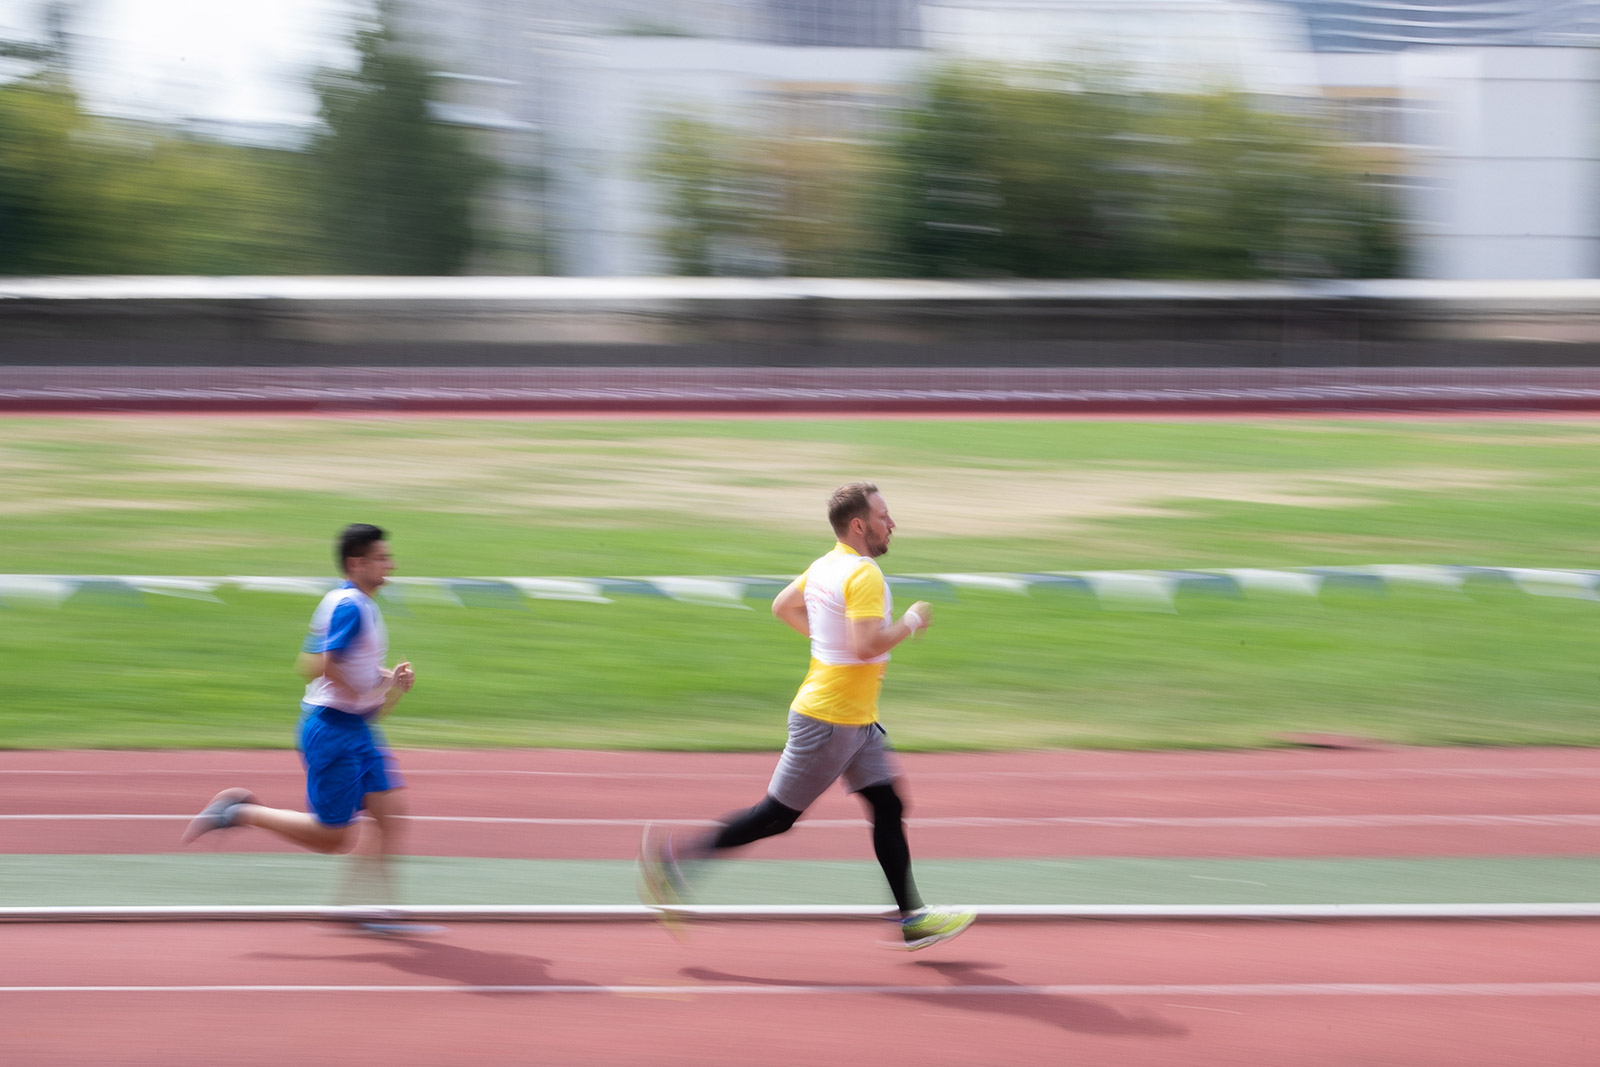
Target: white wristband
913, 619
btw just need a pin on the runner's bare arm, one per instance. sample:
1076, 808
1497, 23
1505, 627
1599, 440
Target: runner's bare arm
318, 664
873, 636
400, 680
790, 606
321, 664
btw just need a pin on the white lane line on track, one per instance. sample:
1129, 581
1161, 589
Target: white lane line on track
1220, 822
1277, 989
765, 772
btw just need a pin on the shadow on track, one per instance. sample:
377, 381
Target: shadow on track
439, 959
1065, 1013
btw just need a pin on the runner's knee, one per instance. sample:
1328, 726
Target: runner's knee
387, 807
775, 818
767, 819
333, 839
885, 802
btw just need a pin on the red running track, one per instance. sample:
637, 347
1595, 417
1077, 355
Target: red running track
575, 804
1439, 994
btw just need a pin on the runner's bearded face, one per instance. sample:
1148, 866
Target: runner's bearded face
880, 527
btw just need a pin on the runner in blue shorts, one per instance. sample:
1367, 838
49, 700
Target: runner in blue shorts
348, 767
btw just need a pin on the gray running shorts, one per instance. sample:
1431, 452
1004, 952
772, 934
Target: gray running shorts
819, 753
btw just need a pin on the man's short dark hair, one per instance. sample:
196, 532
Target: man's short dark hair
849, 502
355, 541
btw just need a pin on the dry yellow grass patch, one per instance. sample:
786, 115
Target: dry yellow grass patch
470, 469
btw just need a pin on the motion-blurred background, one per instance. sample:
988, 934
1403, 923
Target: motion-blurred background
1214, 139
835, 208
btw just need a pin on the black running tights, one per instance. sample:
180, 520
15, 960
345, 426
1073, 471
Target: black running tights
889, 843
770, 818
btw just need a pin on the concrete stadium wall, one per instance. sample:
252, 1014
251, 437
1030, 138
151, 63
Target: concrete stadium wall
790, 323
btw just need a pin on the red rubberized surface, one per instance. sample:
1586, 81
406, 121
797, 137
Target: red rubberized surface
1437, 995
590, 805
1276, 994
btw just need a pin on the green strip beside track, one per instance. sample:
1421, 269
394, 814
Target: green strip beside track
295, 880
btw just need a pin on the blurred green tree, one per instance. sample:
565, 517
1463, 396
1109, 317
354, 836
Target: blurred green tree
1056, 173
822, 193
87, 195
738, 203
383, 189
170, 204
42, 180
707, 176
996, 176
394, 187
1232, 190
44, 184
1033, 173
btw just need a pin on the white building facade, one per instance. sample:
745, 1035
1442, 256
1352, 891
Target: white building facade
1484, 114
1502, 146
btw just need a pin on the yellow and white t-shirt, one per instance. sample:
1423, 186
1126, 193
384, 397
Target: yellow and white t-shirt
841, 687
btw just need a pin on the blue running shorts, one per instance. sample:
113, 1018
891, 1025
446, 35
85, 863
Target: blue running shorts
343, 762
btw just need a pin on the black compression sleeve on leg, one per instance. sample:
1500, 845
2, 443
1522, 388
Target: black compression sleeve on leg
890, 845
766, 819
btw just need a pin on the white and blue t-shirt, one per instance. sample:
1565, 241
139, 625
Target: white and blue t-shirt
348, 626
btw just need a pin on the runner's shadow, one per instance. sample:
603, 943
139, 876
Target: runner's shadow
1069, 1013
1066, 1013
438, 959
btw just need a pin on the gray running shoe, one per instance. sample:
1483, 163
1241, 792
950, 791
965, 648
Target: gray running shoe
382, 922
219, 814
394, 923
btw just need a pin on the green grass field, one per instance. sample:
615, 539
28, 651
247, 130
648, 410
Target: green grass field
263, 496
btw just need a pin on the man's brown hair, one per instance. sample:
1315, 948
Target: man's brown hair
849, 502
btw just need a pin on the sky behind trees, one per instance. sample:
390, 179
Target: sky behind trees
203, 59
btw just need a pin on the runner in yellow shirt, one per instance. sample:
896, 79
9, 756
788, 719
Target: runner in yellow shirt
843, 604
